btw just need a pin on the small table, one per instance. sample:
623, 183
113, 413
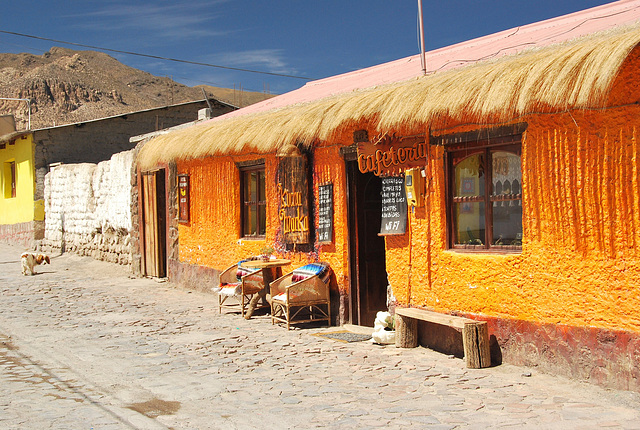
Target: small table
269, 273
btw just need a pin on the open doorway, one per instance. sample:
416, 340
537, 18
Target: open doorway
154, 209
367, 262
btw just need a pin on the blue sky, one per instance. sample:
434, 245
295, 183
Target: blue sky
312, 39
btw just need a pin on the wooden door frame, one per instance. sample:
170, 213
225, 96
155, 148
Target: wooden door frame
161, 214
352, 239
360, 295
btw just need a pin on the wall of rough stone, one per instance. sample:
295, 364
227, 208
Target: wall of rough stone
88, 209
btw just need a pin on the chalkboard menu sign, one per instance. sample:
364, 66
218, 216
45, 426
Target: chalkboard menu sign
183, 198
325, 213
394, 206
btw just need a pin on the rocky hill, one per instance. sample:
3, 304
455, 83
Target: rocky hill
68, 86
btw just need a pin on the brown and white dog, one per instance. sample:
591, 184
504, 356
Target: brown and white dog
31, 260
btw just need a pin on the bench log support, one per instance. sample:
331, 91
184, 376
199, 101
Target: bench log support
406, 332
475, 340
475, 334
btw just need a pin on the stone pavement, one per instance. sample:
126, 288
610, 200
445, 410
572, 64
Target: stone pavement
85, 346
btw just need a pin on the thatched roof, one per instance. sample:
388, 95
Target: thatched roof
574, 74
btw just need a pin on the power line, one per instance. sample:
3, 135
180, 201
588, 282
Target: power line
157, 57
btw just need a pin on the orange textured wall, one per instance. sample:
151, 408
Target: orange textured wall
212, 237
329, 167
580, 262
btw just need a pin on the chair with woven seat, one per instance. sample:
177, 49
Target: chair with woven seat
239, 283
302, 295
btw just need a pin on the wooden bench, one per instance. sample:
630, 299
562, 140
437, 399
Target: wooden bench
475, 335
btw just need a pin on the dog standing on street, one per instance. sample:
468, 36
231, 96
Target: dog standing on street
31, 260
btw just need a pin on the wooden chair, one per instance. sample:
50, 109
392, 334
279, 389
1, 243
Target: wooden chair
237, 285
302, 295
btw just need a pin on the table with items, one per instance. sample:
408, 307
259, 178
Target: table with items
270, 271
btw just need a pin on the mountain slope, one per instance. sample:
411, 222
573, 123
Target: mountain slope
68, 86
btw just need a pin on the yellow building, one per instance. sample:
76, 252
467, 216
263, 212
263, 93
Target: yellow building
21, 215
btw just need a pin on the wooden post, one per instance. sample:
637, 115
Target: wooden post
475, 339
406, 332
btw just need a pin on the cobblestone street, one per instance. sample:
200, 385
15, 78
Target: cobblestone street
85, 346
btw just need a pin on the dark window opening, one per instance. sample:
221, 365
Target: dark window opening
254, 203
9, 180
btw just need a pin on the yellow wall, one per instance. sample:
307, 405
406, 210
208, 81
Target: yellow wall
21, 208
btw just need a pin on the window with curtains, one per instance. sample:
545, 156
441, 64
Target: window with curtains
485, 195
253, 200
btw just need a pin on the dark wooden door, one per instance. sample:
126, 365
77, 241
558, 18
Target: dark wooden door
367, 248
153, 213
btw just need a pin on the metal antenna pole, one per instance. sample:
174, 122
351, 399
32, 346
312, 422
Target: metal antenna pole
423, 58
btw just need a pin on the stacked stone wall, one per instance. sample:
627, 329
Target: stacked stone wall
88, 209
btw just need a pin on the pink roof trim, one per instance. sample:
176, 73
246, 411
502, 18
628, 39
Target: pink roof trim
508, 42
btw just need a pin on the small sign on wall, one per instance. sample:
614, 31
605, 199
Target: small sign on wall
183, 198
325, 213
394, 206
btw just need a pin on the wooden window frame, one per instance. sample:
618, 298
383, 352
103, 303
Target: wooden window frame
511, 144
248, 168
14, 182
10, 183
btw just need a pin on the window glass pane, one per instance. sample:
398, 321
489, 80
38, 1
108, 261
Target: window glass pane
506, 173
469, 176
253, 186
246, 186
262, 217
507, 209
250, 220
507, 222
470, 223
261, 187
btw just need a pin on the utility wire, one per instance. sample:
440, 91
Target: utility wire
157, 57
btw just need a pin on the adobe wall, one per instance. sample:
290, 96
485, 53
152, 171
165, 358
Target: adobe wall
88, 209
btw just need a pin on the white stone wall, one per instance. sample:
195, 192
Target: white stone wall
88, 209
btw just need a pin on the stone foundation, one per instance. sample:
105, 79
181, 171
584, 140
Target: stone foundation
197, 278
25, 234
112, 246
609, 358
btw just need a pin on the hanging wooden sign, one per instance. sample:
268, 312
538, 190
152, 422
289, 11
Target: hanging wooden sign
325, 213
183, 198
293, 196
394, 206
388, 154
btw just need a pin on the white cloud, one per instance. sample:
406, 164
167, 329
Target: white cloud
166, 20
271, 60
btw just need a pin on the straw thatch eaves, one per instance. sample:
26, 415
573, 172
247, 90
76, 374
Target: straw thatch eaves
575, 74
